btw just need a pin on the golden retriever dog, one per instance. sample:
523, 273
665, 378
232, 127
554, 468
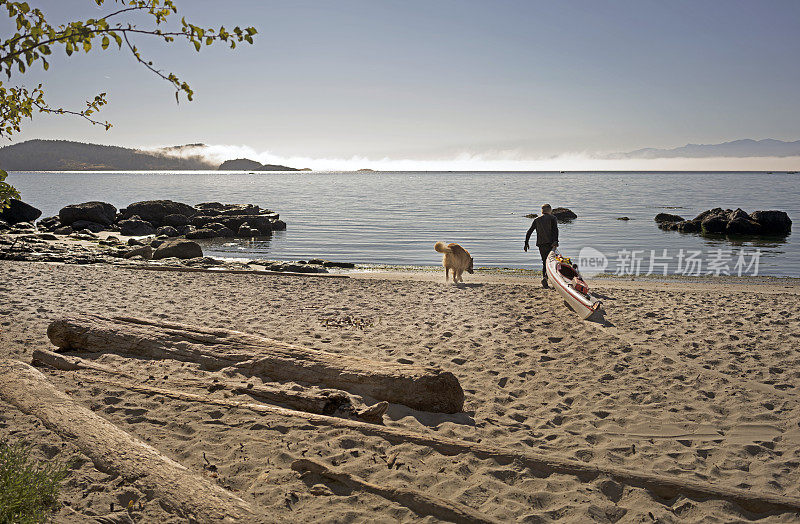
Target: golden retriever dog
456, 258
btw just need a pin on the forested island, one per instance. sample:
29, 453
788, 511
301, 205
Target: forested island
66, 155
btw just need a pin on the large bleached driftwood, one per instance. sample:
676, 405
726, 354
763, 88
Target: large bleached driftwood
666, 486
325, 402
418, 502
116, 452
423, 388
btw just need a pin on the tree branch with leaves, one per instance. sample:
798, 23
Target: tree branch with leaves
36, 39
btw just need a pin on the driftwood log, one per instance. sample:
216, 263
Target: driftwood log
331, 402
423, 388
336, 403
114, 451
665, 486
418, 502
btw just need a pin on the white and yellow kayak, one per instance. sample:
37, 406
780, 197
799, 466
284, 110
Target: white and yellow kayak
564, 276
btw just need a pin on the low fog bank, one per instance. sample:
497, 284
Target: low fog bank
496, 161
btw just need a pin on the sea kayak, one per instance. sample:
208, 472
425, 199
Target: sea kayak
564, 276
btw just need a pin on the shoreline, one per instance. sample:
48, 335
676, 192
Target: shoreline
97, 248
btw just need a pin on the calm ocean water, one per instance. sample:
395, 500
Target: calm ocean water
395, 218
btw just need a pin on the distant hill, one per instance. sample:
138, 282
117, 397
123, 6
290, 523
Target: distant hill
734, 149
245, 164
64, 155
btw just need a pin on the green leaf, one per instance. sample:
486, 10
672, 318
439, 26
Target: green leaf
197, 45
105, 43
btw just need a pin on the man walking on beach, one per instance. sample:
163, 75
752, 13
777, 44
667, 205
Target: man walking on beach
546, 227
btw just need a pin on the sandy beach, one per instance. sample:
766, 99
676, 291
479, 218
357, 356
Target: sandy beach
695, 380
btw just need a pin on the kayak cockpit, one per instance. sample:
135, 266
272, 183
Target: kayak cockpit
566, 271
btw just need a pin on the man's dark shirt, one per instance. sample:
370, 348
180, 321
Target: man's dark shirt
546, 227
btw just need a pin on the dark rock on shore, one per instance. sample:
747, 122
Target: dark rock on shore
146, 252
178, 249
4, 226
23, 227
155, 211
18, 211
176, 220
245, 231
623, 218
97, 212
238, 209
49, 223
94, 227
134, 227
200, 233
732, 222
328, 263
167, 230
666, 217
264, 224
293, 267
342, 265
220, 230
204, 262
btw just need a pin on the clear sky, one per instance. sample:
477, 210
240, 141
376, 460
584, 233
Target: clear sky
446, 79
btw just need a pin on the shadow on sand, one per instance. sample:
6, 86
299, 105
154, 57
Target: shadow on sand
429, 419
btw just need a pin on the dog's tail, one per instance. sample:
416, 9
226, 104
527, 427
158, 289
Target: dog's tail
441, 247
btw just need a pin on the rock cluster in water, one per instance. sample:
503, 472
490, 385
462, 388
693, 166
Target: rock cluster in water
72, 236
166, 218
729, 222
